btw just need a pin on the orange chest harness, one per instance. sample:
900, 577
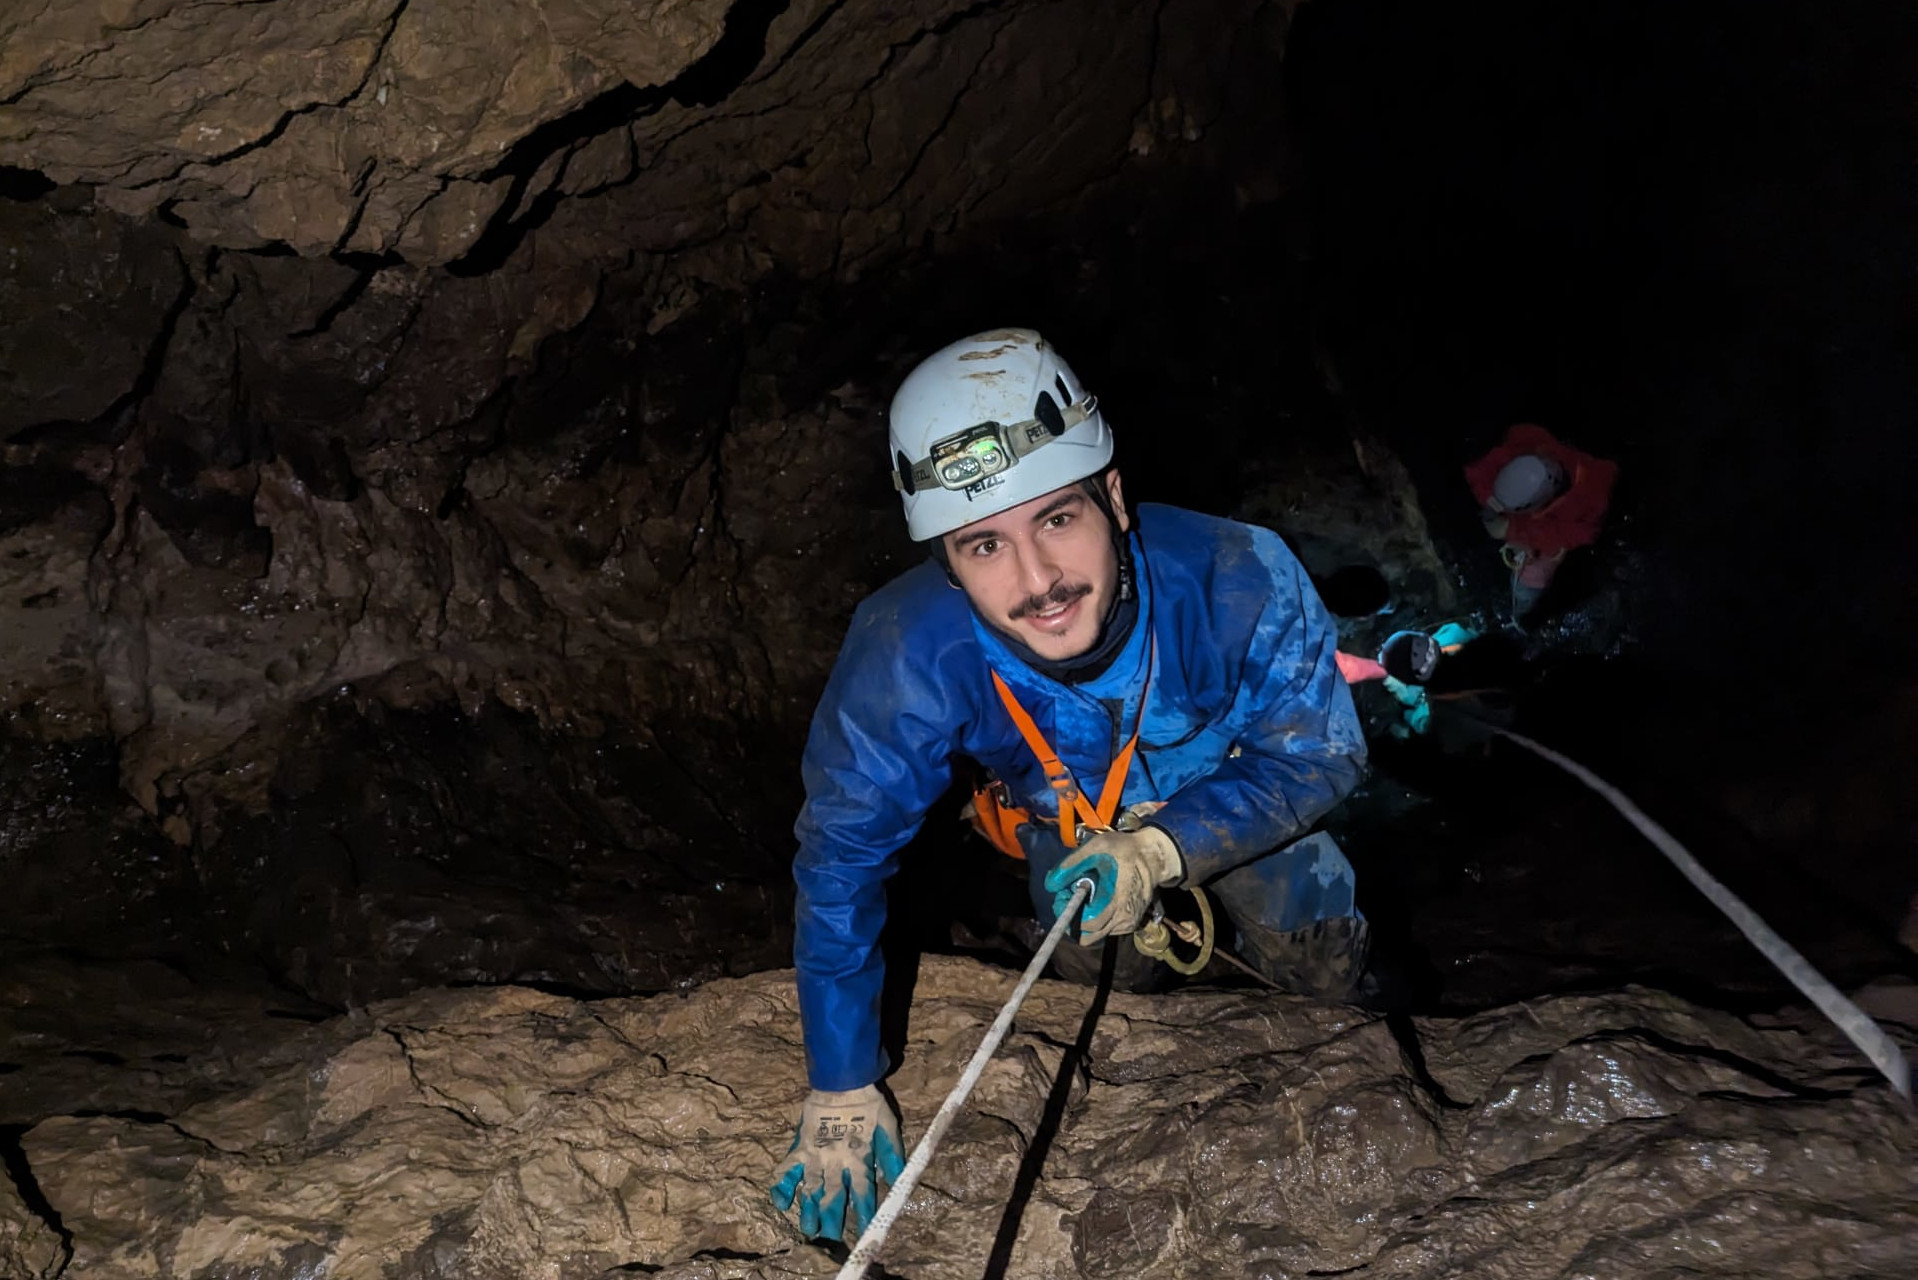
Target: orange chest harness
997, 819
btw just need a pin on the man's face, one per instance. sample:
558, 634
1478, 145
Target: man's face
1044, 571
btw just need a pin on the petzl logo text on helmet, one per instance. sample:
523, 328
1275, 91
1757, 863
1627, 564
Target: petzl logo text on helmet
990, 482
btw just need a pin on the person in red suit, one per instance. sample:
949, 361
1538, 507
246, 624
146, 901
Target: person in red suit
1542, 498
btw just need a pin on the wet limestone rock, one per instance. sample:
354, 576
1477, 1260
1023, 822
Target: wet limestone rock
423, 128
507, 1133
92, 1036
30, 1248
321, 124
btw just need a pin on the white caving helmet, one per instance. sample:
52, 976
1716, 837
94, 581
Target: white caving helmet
987, 423
1526, 483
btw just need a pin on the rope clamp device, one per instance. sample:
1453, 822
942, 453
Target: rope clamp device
1155, 937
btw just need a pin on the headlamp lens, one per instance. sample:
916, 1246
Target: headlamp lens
970, 456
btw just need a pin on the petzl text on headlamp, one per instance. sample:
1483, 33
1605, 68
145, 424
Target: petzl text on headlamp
966, 457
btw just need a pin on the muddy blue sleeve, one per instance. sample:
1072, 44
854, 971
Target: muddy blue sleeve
1300, 751
877, 758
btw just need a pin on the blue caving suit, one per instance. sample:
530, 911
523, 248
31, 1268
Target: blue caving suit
1249, 736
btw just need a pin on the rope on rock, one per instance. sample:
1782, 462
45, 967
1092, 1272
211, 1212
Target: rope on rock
1846, 1016
875, 1233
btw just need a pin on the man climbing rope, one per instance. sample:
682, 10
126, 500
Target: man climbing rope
1153, 702
1543, 499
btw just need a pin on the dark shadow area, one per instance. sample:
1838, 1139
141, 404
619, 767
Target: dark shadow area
13, 1162
1356, 591
23, 184
1682, 239
1503, 878
1678, 237
737, 54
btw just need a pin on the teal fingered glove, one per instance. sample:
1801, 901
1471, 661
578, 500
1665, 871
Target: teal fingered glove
1124, 867
847, 1144
1418, 709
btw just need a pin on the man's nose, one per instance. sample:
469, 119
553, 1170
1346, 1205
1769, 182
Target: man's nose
1037, 571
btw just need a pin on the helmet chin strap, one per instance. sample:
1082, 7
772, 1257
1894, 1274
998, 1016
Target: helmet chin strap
1095, 488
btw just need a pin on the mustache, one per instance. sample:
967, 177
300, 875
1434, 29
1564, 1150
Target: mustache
1063, 594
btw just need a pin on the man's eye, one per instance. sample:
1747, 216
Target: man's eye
1059, 521
985, 548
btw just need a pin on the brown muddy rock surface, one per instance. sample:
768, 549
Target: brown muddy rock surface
29, 1248
284, 473
91, 1036
421, 127
322, 123
504, 1132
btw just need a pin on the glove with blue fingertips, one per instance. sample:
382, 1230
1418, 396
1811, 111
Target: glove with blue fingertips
1126, 868
845, 1151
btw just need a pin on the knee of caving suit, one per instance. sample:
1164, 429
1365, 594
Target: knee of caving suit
1295, 917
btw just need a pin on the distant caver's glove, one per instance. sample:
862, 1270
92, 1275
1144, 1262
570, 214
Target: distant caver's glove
846, 1146
1125, 868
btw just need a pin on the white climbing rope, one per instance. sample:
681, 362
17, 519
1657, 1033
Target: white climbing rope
1846, 1016
875, 1233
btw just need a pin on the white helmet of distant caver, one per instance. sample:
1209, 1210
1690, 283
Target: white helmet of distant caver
987, 423
1527, 483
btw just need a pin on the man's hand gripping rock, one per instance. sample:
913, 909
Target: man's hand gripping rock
847, 1146
1126, 869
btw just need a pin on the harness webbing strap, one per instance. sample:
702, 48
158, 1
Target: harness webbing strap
1074, 808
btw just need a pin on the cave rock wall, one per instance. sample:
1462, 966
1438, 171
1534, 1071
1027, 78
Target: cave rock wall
370, 356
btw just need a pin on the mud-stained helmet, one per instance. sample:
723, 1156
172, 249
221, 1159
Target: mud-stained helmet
987, 423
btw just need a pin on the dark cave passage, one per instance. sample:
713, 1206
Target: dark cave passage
422, 575
1511, 216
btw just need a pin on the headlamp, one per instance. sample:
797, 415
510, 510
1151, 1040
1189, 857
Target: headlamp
979, 452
